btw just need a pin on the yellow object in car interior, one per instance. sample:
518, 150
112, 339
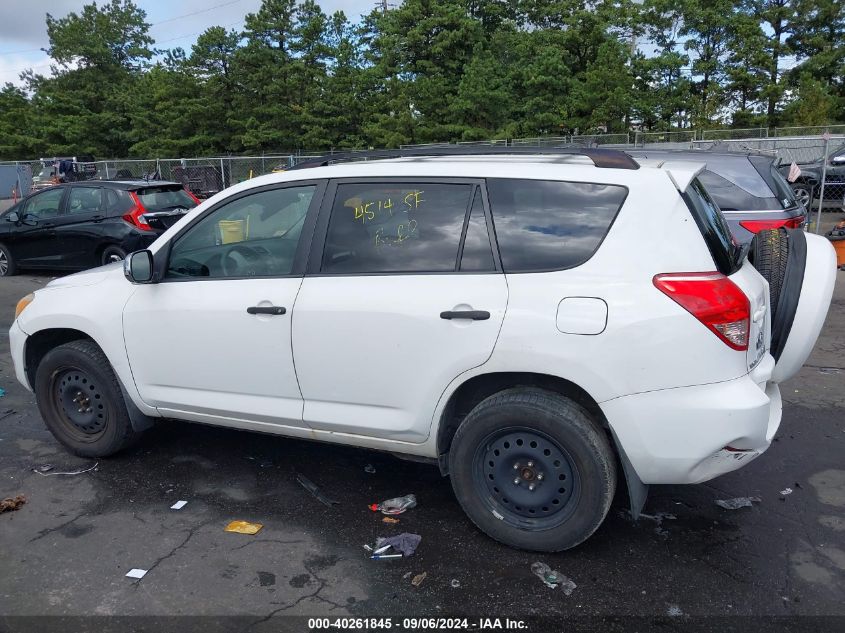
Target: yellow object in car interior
23, 303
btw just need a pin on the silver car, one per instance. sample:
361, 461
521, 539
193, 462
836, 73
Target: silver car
748, 187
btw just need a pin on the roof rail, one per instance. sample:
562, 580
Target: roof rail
606, 158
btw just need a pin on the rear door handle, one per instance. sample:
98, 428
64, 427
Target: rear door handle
475, 315
275, 310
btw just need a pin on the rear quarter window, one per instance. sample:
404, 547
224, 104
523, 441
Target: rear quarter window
546, 225
165, 198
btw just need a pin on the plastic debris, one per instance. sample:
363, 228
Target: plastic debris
786, 491
369, 468
314, 489
407, 575
11, 504
389, 520
405, 543
737, 503
178, 505
395, 506
456, 584
553, 578
136, 573
674, 611
418, 579
2, 392
243, 527
44, 468
41, 472
380, 556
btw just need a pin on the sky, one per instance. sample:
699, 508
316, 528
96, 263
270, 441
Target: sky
23, 29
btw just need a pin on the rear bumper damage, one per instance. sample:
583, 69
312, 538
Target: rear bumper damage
691, 434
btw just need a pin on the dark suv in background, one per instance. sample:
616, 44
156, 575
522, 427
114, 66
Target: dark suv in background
80, 225
807, 186
748, 187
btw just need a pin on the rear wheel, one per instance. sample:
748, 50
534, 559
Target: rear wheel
532, 469
803, 193
112, 254
80, 399
769, 254
8, 267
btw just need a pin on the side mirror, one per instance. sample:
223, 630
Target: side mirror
13, 217
29, 219
838, 160
138, 267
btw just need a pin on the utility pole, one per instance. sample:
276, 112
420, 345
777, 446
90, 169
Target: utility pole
384, 5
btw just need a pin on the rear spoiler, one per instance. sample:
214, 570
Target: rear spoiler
682, 172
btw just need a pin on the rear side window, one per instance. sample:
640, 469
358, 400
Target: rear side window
396, 227
727, 254
551, 225
165, 198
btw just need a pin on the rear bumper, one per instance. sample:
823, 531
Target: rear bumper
17, 342
679, 436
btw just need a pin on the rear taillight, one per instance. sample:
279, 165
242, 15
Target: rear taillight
193, 197
135, 215
755, 226
714, 300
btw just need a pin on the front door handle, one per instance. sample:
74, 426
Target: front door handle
475, 315
275, 310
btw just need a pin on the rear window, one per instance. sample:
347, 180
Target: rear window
727, 254
165, 198
551, 225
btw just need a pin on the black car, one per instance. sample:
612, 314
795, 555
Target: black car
80, 225
807, 186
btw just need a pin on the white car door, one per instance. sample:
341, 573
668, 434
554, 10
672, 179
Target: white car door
403, 294
212, 339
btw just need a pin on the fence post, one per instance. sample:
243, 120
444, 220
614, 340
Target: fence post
158, 168
826, 137
222, 175
106, 163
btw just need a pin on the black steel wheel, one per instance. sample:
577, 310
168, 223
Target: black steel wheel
532, 469
531, 480
81, 402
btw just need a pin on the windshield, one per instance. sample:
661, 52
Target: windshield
163, 198
727, 254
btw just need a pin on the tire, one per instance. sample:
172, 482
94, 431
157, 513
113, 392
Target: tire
770, 254
80, 399
536, 437
804, 194
112, 254
8, 266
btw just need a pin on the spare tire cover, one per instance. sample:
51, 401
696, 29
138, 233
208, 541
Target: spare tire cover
780, 256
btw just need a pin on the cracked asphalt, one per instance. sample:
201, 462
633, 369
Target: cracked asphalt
66, 552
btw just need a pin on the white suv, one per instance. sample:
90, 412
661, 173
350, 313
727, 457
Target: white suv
537, 322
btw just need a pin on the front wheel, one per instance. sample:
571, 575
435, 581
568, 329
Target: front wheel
80, 399
533, 470
8, 267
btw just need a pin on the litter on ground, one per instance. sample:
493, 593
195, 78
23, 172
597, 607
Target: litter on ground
11, 504
737, 502
786, 491
405, 543
553, 578
456, 584
395, 506
314, 489
389, 520
136, 573
40, 470
243, 527
178, 505
418, 579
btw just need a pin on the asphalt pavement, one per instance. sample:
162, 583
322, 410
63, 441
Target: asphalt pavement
67, 550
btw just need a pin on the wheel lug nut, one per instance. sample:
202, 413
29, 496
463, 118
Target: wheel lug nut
531, 486
516, 466
530, 464
516, 481
540, 477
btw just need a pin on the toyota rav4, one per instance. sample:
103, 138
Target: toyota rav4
540, 323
